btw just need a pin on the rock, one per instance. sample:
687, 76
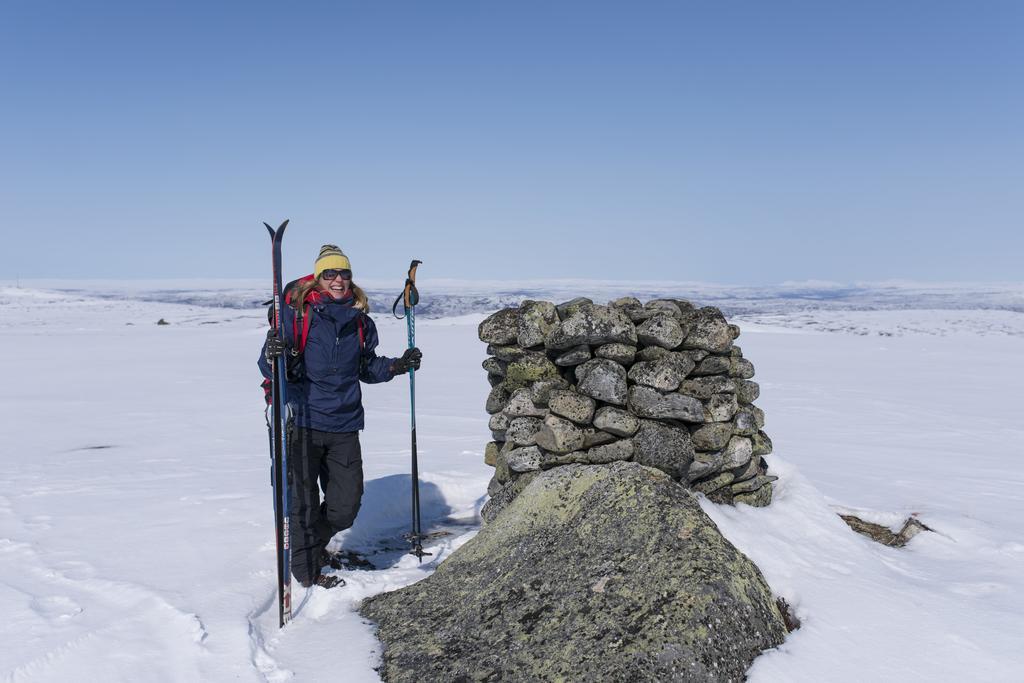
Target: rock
500, 328
752, 485
704, 465
602, 379
504, 495
652, 353
744, 422
682, 361
611, 452
493, 366
523, 459
501, 469
741, 367
495, 380
719, 408
497, 399
762, 444
734, 330
663, 446
747, 391
595, 437
709, 485
536, 320
595, 326
522, 431
506, 353
876, 532
574, 356
737, 453
758, 416
685, 306
549, 460
626, 302
573, 306
623, 354
760, 498
696, 354
735, 352
609, 573
712, 436
647, 402
520, 405
569, 404
663, 375
662, 330
559, 435
709, 332
493, 486
712, 365
498, 422
631, 307
540, 391
722, 496
491, 453
706, 387
748, 471
667, 306
616, 421
529, 368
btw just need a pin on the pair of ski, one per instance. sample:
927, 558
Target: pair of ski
279, 425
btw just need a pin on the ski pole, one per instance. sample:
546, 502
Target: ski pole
410, 297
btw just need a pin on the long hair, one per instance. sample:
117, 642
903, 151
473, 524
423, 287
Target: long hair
304, 287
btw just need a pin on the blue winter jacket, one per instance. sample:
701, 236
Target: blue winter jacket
328, 397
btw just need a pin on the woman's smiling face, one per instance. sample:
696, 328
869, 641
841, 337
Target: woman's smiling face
337, 283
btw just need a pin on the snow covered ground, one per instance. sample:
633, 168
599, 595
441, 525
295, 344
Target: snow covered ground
136, 523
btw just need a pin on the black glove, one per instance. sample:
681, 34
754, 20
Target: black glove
410, 359
275, 347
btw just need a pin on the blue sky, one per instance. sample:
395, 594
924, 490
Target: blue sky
741, 142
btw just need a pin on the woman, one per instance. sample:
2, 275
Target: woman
329, 344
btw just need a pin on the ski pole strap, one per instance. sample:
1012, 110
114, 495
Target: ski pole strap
410, 296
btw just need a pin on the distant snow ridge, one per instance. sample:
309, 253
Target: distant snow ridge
816, 306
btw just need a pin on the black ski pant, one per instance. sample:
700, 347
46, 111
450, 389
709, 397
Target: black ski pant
333, 462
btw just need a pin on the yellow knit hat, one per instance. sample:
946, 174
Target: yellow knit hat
331, 257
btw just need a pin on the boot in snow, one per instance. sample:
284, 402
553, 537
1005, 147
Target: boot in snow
345, 559
325, 581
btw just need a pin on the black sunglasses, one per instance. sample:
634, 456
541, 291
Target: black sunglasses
331, 274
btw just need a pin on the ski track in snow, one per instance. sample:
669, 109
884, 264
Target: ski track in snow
136, 530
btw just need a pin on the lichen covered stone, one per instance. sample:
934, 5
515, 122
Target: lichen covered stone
590, 572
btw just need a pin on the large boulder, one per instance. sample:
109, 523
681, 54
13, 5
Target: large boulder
591, 572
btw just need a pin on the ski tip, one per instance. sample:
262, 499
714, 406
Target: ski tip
279, 231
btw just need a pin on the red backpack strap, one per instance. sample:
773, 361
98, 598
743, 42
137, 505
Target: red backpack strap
362, 336
304, 314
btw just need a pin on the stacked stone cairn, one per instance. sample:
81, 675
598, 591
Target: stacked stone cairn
660, 383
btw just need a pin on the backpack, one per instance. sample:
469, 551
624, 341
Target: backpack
300, 326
